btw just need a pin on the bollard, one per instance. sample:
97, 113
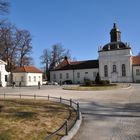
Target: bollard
60, 99
4, 95
20, 96
66, 123
34, 96
78, 112
70, 102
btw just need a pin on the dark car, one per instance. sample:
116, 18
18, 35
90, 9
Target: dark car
67, 82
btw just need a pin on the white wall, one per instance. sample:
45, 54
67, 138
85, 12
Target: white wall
84, 73
116, 57
136, 78
3, 73
24, 79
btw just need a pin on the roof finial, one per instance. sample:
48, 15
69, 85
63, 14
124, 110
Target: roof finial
115, 25
66, 58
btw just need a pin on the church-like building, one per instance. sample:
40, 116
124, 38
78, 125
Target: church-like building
115, 63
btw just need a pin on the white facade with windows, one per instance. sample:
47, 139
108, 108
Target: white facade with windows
77, 76
136, 74
115, 63
27, 76
3, 74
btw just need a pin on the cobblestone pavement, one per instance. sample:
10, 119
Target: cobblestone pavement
116, 119
107, 115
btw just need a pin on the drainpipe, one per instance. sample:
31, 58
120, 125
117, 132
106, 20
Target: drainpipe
73, 77
132, 74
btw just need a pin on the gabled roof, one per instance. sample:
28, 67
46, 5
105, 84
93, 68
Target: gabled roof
2, 62
87, 64
27, 69
136, 60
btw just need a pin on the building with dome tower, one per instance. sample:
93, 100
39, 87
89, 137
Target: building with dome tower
115, 63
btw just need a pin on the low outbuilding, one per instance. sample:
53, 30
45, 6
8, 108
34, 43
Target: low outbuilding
27, 76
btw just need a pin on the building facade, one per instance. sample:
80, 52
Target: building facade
116, 64
3, 74
27, 76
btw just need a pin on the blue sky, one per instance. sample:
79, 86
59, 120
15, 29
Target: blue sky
79, 25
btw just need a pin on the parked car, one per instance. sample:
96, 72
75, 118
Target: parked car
44, 82
52, 83
67, 82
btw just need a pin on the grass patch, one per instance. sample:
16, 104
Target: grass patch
31, 119
93, 87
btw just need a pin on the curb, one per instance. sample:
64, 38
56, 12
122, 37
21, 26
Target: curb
74, 130
128, 87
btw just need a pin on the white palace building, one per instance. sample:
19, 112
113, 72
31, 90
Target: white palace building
115, 63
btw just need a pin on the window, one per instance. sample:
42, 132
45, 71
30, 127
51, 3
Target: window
105, 71
22, 78
123, 70
86, 72
54, 76
29, 78
137, 71
67, 75
114, 68
39, 78
6, 78
78, 74
60, 75
34, 78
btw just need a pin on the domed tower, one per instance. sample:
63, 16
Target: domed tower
115, 34
115, 59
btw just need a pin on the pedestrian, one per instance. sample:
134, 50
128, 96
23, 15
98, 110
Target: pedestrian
38, 84
13, 84
20, 84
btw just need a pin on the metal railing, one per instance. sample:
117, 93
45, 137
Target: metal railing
65, 126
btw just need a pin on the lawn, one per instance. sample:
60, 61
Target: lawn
95, 87
31, 119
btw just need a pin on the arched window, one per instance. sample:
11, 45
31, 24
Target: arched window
105, 71
114, 68
123, 70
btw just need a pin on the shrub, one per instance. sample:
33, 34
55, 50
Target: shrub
97, 79
104, 82
107, 82
87, 82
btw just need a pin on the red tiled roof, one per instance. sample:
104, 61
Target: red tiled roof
27, 69
63, 64
136, 60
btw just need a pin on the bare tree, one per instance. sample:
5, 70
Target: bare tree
58, 53
7, 46
4, 6
24, 47
51, 58
45, 60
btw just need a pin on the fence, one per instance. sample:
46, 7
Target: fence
65, 127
